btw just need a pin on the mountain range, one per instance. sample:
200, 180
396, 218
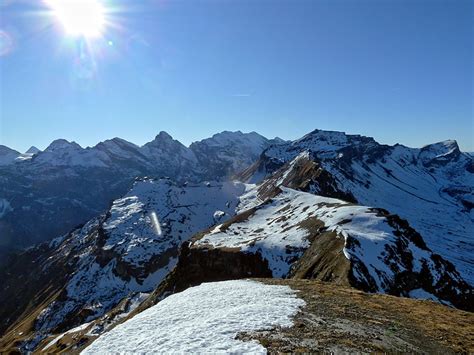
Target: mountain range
54, 190
121, 227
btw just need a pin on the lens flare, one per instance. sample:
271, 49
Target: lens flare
155, 223
79, 17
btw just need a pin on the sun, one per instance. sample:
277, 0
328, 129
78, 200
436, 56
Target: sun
79, 17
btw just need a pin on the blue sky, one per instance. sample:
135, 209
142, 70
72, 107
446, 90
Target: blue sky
400, 71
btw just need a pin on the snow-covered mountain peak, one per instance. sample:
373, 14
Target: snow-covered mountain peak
164, 141
440, 153
119, 148
327, 144
442, 147
163, 136
167, 153
62, 144
336, 137
118, 140
229, 138
432, 187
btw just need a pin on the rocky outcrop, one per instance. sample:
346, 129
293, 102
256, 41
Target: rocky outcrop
305, 173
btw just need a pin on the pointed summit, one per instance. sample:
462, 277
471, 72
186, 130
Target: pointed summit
33, 150
163, 136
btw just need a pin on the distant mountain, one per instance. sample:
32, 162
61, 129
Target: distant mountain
52, 191
32, 150
30, 153
228, 152
7, 155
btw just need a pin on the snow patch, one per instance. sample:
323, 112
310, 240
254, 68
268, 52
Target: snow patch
204, 319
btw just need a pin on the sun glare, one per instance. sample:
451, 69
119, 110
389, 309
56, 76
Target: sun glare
79, 17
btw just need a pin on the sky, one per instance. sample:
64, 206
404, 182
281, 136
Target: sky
400, 71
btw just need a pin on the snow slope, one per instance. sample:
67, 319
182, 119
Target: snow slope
204, 319
134, 246
381, 248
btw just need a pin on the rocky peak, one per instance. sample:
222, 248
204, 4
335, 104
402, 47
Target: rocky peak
166, 151
163, 137
32, 150
164, 141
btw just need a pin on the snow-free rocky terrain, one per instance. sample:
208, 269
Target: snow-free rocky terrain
299, 214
